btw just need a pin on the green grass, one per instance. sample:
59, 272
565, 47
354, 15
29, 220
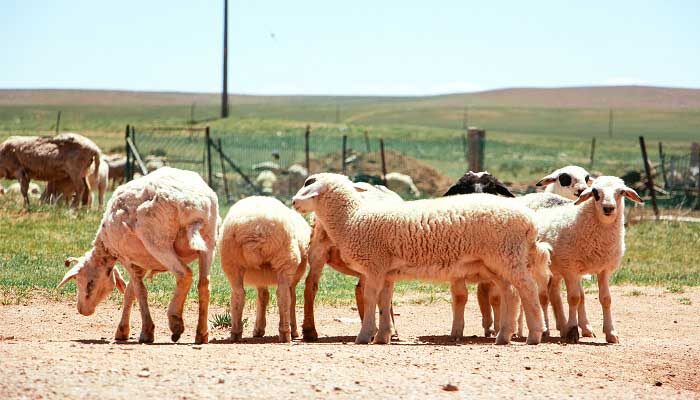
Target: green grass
34, 245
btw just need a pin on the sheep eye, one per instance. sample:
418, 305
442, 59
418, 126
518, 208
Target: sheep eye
565, 179
309, 181
595, 194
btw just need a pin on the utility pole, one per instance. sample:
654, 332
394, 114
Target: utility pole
224, 93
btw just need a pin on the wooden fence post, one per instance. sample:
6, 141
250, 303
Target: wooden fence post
207, 138
58, 122
381, 150
344, 154
650, 179
127, 169
695, 163
306, 148
476, 139
223, 171
367, 142
662, 159
465, 148
592, 153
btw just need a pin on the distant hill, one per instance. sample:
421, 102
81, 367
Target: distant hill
645, 97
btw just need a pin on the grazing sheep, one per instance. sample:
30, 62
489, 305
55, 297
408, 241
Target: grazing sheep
155, 162
63, 189
569, 181
117, 169
15, 190
67, 155
322, 251
587, 237
160, 222
264, 243
456, 237
402, 184
266, 181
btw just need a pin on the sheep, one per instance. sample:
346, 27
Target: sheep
451, 238
155, 162
587, 236
568, 182
401, 183
479, 182
67, 155
157, 223
117, 169
263, 243
64, 189
15, 190
266, 180
322, 251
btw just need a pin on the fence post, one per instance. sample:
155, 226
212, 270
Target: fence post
662, 159
592, 153
208, 140
58, 121
381, 150
695, 162
306, 148
369, 149
345, 153
476, 139
127, 169
650, 179
465, 148
223, 171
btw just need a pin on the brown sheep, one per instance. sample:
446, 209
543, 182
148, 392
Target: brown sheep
67, 155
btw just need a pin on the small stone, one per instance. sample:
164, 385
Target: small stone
658, 383
197, 347
528, 368
579, 374
220, 380
498, 355
144, 373
450, 388
337, 389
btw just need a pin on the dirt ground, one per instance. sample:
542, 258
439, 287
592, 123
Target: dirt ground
47, 350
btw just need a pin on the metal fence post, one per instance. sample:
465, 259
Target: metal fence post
208, 141
650, 179
223, 170
476, 138
306, 147
592, 153
58, 122
127, 169
381, 150
344, 154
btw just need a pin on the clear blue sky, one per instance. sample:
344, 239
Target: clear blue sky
350, 47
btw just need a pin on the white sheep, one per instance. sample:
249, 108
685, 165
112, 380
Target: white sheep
587, 237
15, 190
322, 251
451, 238
569, 181
264, 243
155, 162
266, 181
160, 222
401, 183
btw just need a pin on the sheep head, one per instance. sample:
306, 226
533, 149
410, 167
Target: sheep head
608, 193
95, 277
317, 185
569, 181
479, 182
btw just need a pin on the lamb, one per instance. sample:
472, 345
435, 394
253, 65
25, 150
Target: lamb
587, 237
64, 189
15, 190
322, 251
568, 182
401, 183
451, 238
266, 180
160, 222
264, 243
117, 169
155, 162
67, 155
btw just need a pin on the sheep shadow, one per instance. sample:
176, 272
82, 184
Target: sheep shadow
446, 340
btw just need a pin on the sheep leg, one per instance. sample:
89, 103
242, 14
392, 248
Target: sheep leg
510, 303
359, 297
371, 291
458, 289
260, 310
583, 323
606, 302
521, 312
123, 328
495, 301
308, 327
292, 310
203, 295
283, 303
527, 289
383, 336
573, 295
237, 303
554, 289
141, 293
482, 296
544, 303
23, 179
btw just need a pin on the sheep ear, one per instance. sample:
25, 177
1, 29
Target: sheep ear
503, 191
551, 178
118, 280
308, 192
631, 194
585, 195
70, 260
69, 275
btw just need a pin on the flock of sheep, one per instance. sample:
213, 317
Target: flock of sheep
518, 250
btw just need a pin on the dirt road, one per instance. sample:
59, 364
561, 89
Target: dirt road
47, 350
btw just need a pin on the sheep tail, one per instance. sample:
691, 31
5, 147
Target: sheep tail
96, 172
538, 262
194, 238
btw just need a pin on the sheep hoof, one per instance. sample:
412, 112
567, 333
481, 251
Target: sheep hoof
236, 337
572, 335
122, 333
295, 334
362, 339
258, 332
146, 338
502, 339
201, 338
285, 337
587, 332
310, 334
546, 334
534, 338
488, 332
612, 337
177, 326
382, 338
